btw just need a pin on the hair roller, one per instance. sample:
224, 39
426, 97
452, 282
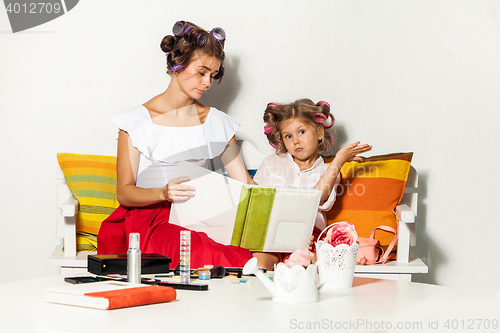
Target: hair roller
201, 39
329, 137
268, 128
319, 118
329, 121
178, 28
176, 67
323, 103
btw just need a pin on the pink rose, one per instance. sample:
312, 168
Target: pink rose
341, 233
299, 257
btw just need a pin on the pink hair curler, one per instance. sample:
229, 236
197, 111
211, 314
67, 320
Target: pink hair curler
319, 118
268, 128
323, 102
330, 121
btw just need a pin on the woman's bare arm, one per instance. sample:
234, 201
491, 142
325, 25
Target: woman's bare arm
234, 165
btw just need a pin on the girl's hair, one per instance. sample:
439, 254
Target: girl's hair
277, 115
180, 49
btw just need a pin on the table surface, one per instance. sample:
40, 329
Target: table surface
372, 305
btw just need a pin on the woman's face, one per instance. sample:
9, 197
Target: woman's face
198, 76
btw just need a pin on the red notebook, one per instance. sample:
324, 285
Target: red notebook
110, 295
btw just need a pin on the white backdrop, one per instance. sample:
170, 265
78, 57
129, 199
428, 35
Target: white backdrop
421, 76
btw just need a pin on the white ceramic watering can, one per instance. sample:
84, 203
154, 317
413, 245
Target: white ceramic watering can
336, 264
290, 285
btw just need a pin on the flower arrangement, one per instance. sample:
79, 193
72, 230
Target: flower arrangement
341, 233
299, 257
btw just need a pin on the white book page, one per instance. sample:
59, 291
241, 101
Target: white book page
213, 208
75, 294
292, 219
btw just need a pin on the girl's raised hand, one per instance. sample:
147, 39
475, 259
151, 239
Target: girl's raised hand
175, 191
348, 153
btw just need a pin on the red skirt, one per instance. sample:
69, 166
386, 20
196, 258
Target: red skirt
160, 236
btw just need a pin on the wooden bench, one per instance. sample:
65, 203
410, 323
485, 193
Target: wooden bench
407, 263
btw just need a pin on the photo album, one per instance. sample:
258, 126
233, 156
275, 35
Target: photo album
258, 218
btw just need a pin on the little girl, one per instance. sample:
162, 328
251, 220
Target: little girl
299, 133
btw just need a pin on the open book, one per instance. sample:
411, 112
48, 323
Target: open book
257, 218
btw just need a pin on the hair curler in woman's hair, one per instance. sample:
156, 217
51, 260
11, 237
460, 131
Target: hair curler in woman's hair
176, 67
201, 39
219, 34
178, 28
189, 38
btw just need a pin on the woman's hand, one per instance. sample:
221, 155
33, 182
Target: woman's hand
175, 191
348, 153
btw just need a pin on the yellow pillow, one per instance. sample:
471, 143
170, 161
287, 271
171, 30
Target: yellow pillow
86, 242
369, 192
92, 180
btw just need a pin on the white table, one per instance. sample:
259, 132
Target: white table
371, 305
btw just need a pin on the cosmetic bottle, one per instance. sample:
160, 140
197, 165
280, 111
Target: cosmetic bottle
134, 259
185, 257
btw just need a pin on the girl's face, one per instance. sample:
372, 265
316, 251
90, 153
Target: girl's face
198, 76
300, 140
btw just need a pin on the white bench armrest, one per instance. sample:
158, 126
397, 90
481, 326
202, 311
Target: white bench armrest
68, 210
405, 214
69, 207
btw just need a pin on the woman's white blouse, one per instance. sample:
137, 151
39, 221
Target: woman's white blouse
161, 147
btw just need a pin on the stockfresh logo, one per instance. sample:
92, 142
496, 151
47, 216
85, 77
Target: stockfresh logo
25, 15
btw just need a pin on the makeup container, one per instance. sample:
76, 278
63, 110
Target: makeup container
185, 256
204, 275
134, 259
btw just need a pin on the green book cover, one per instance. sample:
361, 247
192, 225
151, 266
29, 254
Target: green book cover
252, 218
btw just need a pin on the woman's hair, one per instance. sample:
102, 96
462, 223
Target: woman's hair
315, 115
180, 49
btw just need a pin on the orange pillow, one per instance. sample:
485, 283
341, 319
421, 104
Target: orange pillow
369, 192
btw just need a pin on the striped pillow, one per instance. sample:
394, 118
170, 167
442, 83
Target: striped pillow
92, 180
369, 192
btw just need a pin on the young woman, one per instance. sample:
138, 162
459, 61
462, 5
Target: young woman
154, 136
